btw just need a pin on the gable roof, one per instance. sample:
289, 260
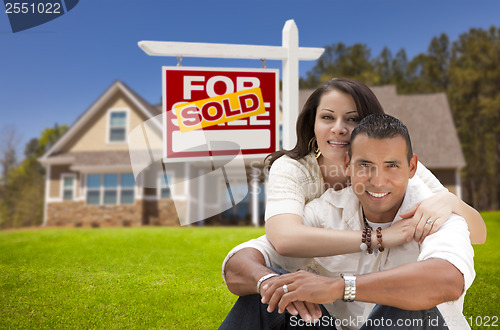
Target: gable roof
147, 110
429, 121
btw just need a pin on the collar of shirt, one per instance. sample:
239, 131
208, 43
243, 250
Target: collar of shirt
352, 214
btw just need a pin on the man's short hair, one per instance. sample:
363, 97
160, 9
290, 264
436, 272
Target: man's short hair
382, 126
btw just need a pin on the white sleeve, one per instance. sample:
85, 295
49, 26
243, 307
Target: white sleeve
272, 258
311, 211
429, 179
452, 243
285, 188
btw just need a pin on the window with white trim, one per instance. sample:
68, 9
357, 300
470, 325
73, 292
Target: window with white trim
117, 126
94, 189
110, 189
68, 187
127, 184
164, 188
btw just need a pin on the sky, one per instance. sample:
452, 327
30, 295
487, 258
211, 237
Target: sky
52, 73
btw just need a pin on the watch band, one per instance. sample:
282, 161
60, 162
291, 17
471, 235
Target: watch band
349, 287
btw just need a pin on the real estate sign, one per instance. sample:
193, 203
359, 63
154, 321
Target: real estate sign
219, 111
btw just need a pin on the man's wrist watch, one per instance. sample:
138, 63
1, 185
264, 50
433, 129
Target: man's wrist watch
349, 287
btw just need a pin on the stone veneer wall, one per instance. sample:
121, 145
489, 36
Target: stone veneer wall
161, 213
79, 214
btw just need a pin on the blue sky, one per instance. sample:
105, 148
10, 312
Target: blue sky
53, 72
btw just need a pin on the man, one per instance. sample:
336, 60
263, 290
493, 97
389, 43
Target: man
406, 282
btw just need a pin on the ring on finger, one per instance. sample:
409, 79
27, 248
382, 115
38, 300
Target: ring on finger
285, 288
429, 222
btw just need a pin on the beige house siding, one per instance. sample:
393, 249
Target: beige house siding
93, 136
155, 138
56, 172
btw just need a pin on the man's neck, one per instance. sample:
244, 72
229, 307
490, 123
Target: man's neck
383, 217
380, 219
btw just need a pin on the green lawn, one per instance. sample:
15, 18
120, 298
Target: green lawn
148, 277
152, 277
483, 298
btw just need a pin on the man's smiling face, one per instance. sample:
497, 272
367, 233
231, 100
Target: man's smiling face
379, 173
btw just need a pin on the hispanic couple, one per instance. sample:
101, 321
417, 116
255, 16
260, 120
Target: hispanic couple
359, 234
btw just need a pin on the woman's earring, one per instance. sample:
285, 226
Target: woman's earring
317, 152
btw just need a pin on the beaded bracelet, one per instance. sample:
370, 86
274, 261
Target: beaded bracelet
363, 245
379, 239
366, 238
369, 240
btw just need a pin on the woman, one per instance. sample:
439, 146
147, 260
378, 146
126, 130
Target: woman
316, 163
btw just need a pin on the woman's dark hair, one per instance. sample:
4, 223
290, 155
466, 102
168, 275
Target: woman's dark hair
366, 104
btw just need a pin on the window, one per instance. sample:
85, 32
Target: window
94, 189
117, 126
127, 188
165, 191
110, 189
68, 187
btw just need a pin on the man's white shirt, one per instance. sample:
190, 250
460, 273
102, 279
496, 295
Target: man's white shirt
341, 210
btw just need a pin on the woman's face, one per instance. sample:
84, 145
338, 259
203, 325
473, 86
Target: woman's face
336, 117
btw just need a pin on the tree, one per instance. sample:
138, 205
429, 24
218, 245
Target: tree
475, 100
437, 70
8, 160
401, 76
384, 67
339, 60
429, 72
24, 186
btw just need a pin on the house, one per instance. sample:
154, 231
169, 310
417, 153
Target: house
90, 179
